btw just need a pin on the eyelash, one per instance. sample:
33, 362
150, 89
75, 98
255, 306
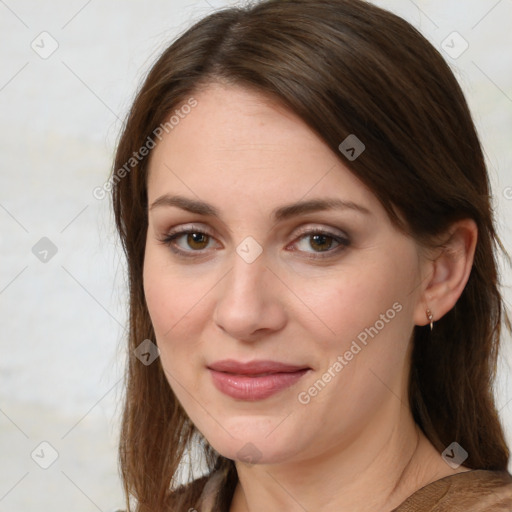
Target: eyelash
343, 242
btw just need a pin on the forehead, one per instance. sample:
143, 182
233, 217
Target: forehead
239, 143
230, 121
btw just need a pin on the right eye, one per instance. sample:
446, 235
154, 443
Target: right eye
188, 241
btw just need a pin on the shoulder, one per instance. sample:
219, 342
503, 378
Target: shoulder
472, 491
201, 492
210, 490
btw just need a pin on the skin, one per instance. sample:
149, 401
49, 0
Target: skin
246, 156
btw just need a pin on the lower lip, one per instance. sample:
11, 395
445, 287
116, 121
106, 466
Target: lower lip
244, 387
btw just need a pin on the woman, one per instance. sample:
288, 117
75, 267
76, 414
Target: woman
304, 206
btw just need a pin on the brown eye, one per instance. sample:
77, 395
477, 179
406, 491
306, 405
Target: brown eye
197, 241
321, 242
189, 242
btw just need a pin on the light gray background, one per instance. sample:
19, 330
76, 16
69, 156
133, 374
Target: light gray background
62, 321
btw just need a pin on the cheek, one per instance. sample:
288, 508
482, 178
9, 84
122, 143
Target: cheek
175, 314
346, 302
367, 318
172, 296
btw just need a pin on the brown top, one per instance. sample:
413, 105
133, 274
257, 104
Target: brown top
472, 491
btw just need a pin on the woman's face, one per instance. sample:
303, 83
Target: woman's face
282, 297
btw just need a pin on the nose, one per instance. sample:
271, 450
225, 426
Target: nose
249, 304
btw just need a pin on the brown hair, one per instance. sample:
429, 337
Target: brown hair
345, 67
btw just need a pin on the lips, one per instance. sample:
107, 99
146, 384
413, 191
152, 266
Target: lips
254, 367
254, 380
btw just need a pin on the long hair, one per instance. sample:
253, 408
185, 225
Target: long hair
344, 67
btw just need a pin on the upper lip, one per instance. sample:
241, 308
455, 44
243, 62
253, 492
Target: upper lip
254, 367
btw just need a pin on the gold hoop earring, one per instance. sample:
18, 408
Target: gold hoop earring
430, 318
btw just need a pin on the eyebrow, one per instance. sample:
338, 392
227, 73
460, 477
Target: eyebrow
279, 214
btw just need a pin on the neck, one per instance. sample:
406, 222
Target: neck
376, 471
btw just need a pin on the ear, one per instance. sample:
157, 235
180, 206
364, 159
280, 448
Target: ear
448, 271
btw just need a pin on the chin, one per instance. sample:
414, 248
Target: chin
256, 453
254, 444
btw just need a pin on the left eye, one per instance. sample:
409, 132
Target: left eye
320, 242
